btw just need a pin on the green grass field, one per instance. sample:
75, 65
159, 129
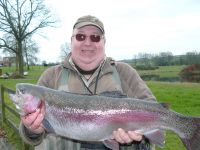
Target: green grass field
163, 71
182, 97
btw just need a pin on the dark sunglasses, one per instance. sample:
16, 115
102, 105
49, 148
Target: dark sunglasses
93, 38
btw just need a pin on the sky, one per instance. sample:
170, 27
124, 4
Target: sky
131, 26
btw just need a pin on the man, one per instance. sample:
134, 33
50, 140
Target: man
87, 70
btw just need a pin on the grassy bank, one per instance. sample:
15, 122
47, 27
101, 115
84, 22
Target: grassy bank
182, 97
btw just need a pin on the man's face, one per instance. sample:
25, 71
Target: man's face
88, 50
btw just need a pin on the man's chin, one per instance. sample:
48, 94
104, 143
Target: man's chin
87, 61
87, 66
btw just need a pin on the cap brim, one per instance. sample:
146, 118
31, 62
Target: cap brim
82, 24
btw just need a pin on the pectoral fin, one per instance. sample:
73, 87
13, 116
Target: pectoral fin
156, 137
112, 144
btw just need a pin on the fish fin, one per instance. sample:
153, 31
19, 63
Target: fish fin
112, 144
193, 143
156, 136
115, 94
165, 105
48, 126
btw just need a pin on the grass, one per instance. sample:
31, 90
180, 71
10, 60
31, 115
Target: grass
163, 71
182, 97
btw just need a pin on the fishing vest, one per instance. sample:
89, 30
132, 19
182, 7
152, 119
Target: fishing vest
65, 73
59, 143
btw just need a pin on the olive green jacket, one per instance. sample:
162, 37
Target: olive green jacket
110, 76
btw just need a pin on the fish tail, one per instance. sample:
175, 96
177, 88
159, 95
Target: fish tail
193, 142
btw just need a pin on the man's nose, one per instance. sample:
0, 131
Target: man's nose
87, 41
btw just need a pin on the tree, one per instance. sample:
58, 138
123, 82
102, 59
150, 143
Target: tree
135, 59
65, 49
163, 59
10, 41
30, 49
192, 58
145, 57
21, 19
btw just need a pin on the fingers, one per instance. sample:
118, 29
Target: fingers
135, 135
126, 137
42, 107
38, 121
33, 121
30, 118
121, 136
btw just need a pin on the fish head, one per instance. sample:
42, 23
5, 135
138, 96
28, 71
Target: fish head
25, 99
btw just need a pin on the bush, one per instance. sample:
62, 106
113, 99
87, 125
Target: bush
146, 67
191, 73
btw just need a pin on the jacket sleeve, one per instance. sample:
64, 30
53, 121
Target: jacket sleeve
132, 84
47, 79
30, 138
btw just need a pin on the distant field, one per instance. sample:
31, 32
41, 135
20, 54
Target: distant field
182, 97
163, 71
33, 75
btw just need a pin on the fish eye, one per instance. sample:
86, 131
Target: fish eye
22, 91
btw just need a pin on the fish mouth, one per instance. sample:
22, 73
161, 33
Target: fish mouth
15, 97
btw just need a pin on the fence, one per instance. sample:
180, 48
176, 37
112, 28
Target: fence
5, 118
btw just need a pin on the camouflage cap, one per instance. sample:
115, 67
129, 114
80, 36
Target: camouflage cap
89, 20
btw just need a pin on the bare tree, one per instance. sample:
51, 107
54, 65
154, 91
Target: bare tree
65, 50
21, 19
30, 50
10, 46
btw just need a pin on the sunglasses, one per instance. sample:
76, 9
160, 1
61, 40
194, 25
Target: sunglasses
82, 37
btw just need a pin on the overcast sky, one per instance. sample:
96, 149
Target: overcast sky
131, 26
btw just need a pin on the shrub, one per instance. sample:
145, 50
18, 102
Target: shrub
146, 67
191, 73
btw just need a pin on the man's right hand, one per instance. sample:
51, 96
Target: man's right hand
33, 121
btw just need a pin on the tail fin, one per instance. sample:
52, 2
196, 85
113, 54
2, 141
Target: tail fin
193, 142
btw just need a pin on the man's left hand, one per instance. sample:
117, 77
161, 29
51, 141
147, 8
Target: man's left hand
124, 137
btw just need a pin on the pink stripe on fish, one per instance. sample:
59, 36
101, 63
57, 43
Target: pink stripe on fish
114, 116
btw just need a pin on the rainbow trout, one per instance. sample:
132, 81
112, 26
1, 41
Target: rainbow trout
94, 117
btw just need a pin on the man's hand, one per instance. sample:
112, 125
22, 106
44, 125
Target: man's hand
33, 121
126, 137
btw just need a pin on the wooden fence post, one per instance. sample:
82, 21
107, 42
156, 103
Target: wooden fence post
2, 104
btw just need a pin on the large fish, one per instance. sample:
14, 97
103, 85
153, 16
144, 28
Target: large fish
94, 117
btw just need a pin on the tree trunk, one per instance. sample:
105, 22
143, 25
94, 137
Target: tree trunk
17, 63
21, 60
